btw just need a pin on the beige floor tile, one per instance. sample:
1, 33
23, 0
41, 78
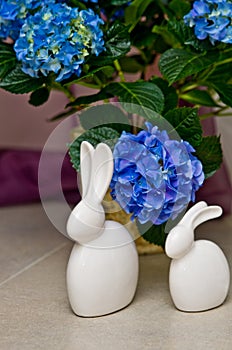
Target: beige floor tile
26, 235
35, 313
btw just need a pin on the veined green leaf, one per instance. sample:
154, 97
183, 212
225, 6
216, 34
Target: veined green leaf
107, 70
225, 92
176, 64
117, 44
18, 82
143, 94
199, 97
185, 122
7, 59
94, 136
210, 154
169, 92
137, 97
109, 114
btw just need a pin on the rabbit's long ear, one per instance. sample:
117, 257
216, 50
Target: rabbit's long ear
86, 156
191, 213
206, 214
102, 171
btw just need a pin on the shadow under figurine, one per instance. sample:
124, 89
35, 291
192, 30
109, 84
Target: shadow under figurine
102, 272
199, 275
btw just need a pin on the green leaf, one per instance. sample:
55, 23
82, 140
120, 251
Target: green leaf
185, 122
118, 2
107, 70
104, 114
180, 7
199, 97
39, 96
131, 65
186, 36
64, 114
153, 233
169, 92
117, 44
94, 136
143, 94
210, 154
166, 34
87, 100
225, 92
138, 97
177, 64
134, 12
78, 4
224, 70
18, 82
7, 59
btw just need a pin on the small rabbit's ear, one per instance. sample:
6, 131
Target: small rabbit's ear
191, 213
206, 214
102, 171
86, 156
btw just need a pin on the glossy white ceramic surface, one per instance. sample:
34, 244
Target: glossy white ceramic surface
102, 278
200, 280
102, 272
199, 275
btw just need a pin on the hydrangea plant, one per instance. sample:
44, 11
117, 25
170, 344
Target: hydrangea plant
55, 45
154, 177
58, 38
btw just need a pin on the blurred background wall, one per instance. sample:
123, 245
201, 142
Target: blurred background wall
26, 126
224, 127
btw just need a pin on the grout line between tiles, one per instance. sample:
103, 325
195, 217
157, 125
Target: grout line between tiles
37, 261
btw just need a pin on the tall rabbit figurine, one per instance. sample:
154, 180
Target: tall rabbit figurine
102, 271
199, 275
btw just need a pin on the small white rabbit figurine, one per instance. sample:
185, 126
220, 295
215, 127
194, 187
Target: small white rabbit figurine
199, 275
102, 271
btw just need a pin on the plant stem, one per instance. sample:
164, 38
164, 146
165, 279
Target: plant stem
119, 70
216, 113
98, 81
228, 60
189, 87
63, 89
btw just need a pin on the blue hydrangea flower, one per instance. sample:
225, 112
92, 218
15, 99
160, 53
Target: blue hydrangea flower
13, 14
211, 19
58, 39
93, 1
154, 177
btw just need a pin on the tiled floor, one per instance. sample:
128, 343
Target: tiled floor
34, 309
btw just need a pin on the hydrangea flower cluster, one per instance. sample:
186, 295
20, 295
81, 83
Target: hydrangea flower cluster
58, 38
211, 19
154, 177
12, 16
93, 1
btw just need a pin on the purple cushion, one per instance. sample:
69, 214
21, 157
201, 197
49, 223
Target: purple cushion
19, 177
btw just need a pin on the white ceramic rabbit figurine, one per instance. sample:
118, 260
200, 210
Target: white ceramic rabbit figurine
102, 271
199, 275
